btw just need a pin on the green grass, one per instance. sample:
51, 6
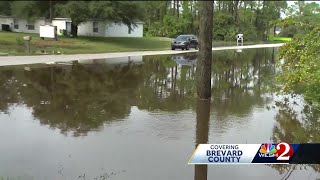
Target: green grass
13, 44
280, 39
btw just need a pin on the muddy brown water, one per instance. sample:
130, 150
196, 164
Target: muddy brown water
136, 118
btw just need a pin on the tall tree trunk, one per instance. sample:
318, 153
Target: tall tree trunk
74, 30
50, 11
177, 8
205, 50
174, 7
166, 4
202, 133
192, 17
236, 10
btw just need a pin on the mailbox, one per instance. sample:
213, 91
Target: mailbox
27, 38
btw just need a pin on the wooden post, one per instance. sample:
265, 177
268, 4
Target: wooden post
27, 39
28, 46
204, 61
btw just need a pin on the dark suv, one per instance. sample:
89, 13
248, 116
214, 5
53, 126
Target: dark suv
185, 42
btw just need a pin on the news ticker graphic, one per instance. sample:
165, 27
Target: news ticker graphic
281, 153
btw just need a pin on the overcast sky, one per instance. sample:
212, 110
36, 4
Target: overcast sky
292, 3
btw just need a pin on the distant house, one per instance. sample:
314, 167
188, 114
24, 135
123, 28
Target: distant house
9, 23
88, 28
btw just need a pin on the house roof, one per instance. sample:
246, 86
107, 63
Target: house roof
63, 19
138, 22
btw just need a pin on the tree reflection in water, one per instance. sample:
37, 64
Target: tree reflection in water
8, 89
79, 98
296, 125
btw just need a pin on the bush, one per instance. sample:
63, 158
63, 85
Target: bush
289, 31
300, 71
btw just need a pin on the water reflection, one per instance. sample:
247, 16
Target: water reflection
202, 134
78, 98
188, 59
296, 122
8, 89
82, 96
143, 100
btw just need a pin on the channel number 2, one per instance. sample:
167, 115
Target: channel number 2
285, 148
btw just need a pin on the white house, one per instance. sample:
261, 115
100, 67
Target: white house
100, 28
88, 28
63, 24
21, 25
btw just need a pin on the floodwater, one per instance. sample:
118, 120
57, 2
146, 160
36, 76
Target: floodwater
136, 118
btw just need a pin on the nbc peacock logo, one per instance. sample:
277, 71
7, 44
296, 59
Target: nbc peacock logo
268, 150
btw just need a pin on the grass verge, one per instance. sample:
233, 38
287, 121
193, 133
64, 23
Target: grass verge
13, 44
280, 39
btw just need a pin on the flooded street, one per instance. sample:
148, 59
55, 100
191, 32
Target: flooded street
110, 119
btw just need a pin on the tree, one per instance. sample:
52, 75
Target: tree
205, 50
126, 12
251, 18
300, 72
26, 9
5, 7
30, 10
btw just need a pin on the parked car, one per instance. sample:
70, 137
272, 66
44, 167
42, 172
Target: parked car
185, 42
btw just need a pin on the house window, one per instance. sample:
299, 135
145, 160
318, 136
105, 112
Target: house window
15, 24
95, 27
30, 26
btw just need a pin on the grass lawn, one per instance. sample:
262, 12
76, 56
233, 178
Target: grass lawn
280, 39
13, 44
